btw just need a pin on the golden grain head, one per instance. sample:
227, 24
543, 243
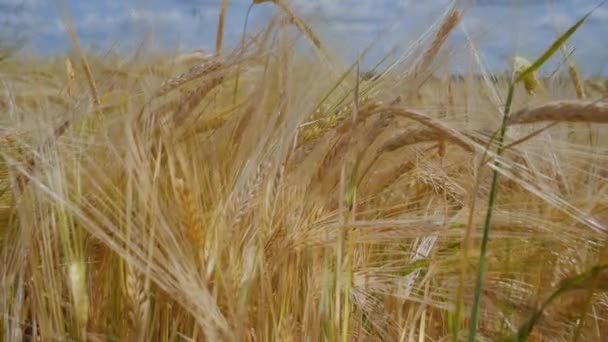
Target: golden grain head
220, 209
576, 81
563, 111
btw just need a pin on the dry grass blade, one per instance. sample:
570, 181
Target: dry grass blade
563, 111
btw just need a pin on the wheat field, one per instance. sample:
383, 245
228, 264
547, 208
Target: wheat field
273, 193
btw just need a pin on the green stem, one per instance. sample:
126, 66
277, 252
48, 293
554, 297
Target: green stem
486, 226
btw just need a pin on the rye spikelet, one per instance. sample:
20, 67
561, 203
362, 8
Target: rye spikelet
564, 111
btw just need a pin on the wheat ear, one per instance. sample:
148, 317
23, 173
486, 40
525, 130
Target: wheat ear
448, 24
576, 81
191, 220
563, 111
138, 298
445, 132
410, 137
197, 71
219, 38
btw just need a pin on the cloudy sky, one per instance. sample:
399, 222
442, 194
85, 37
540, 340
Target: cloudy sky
501, 28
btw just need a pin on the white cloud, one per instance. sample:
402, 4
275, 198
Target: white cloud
147, 17
132, 17
24, 3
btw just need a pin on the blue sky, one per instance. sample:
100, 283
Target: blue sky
501, 28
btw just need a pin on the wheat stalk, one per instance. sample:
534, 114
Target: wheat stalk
563, 111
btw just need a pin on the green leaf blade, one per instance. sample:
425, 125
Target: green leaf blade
555, 46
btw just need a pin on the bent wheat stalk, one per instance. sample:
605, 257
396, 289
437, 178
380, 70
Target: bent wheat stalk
299, 23
563, 111
449, 133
